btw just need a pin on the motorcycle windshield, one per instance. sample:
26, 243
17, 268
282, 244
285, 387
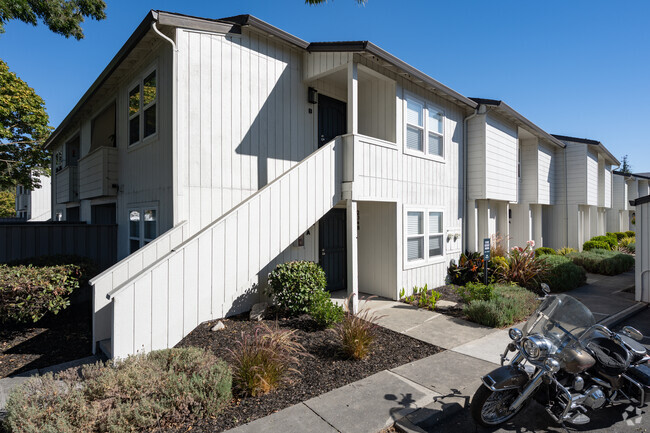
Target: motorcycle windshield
560, 317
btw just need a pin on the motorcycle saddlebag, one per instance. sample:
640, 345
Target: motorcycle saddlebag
640, 373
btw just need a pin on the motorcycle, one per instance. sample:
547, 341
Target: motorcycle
568, 363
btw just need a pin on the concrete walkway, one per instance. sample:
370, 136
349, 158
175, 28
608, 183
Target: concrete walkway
419, 395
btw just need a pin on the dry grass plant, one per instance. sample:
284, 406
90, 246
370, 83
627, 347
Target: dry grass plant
357, 332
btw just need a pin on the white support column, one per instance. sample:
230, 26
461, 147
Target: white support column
353, 99
536, 210
353, 255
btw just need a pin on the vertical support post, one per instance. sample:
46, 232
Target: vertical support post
353, 99
353, 255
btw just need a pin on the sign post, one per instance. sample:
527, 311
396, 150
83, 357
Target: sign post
486, 258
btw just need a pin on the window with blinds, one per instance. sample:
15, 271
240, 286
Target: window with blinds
424, 235
424, 128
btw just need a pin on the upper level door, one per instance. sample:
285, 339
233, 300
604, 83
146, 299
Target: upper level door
332, 119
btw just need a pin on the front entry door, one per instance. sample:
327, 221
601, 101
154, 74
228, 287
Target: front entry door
332, 119
333, 252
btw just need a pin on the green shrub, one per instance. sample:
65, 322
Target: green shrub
630, 233
619, 235
476, 291
325, 312
357, 333
610, 240
136, 394
632, 247
470, 268
264, 361
566, 250
627, 241
541, 251
524, 268
510, 305
595, 245
293, 285
563, 274
84, 268
28, 293
602, 261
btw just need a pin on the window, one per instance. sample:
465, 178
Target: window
424, 128
143, 227
142, 109
424, 236
58, 161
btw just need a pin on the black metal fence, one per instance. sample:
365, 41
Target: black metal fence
98, 242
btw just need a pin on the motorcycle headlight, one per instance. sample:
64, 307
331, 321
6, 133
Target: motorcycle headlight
536, 347
552, 365
515, 334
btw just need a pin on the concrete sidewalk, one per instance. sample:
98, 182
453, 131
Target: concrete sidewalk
419, 395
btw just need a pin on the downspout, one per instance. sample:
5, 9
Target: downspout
175, 189
465, 165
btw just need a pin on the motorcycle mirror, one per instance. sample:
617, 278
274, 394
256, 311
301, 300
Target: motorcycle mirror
632, 333
546, 289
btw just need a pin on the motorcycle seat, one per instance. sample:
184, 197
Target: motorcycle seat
612, 359
637, 350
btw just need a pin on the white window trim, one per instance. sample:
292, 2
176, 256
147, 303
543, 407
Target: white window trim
141, 239
140, 82
425, 128
426, 261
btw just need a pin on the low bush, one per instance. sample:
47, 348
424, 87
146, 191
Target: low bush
136, 394
603, 261
510, 304
566, 250
524, 268
541, 251
84, 268
610, 240
630, 233
563, 274
28, 293
293, 285
627, 241
476, 291
264, 361
357, 333
595, 245
325, 312
619, 235
470, 268
632, 247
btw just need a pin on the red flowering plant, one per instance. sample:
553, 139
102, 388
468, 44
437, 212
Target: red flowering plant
523, 268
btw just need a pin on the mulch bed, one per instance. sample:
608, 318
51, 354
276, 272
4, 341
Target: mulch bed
323, 372
52, 340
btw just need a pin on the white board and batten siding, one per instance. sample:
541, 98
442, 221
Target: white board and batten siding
317, 65
217, 272
546, 165
244, 117
620, 200
592, 178
528, 189
644, 187
576, 172
607, 201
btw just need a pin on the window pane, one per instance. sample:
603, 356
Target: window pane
414, 138
149, 89
435, 121
134, 245
150, 224
415, 249
150, 120
435, 144
415, 223
134, 224
134, 130
435, 245
435, 222
134, 100
414, 112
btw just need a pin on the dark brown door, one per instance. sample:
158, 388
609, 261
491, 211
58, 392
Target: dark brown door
332, 119
333, 249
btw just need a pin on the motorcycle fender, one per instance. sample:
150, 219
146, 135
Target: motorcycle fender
506, 377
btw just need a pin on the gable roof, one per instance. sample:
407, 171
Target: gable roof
595, 143
234, 24
508, 111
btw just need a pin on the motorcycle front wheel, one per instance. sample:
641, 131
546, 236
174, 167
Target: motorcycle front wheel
491, 408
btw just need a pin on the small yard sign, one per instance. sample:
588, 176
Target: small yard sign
486, 258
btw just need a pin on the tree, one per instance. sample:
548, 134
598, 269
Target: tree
7, 204
61, 16
23, 130
625, 168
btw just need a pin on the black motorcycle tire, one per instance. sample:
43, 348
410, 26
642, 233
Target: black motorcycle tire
483, 393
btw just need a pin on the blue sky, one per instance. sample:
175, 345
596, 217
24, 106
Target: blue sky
575, 67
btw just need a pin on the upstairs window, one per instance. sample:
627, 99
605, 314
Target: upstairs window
143, 99
424, 128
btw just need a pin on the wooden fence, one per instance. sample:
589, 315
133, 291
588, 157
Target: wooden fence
95, 241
